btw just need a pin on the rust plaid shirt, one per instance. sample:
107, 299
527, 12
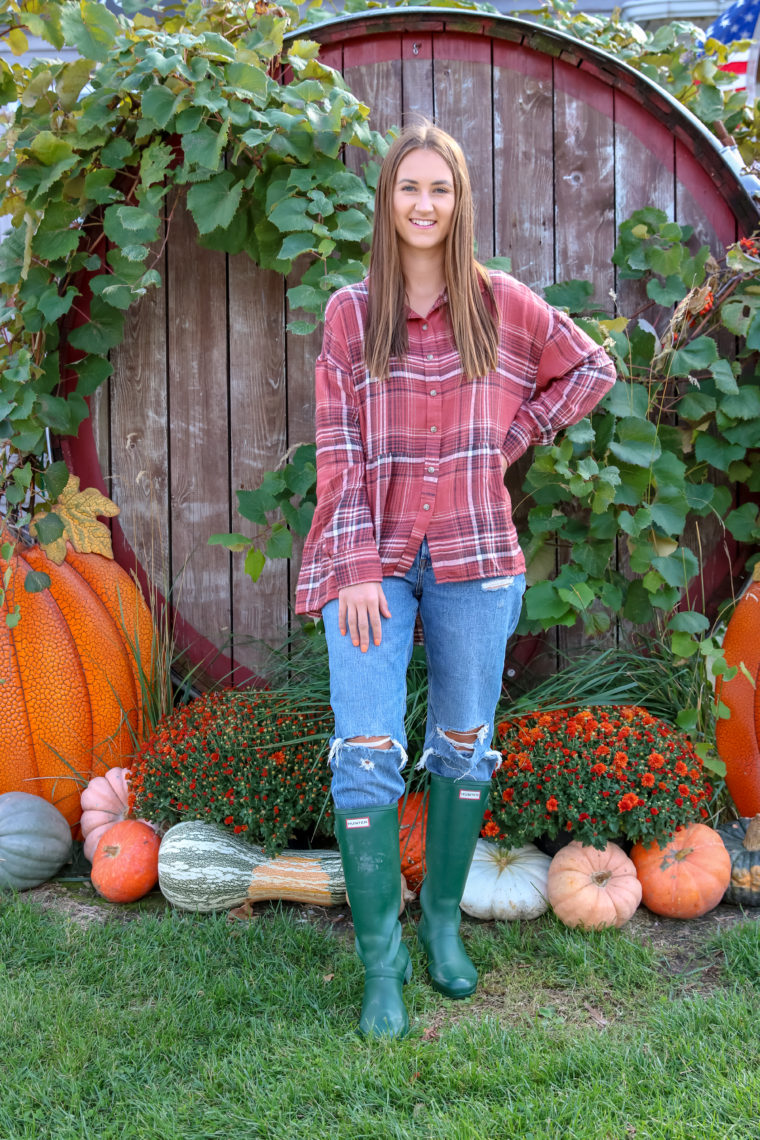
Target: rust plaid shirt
419, 453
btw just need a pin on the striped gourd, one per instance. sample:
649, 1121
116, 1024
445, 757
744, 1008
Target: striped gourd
202, 867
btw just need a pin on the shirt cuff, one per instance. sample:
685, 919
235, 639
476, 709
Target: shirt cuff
516, 443
352, 567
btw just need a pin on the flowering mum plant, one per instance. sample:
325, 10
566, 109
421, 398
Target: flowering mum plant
602, 773
246, 759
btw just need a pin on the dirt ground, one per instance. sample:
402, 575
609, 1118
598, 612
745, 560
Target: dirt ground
679, 944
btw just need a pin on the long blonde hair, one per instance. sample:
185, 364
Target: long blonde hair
472, 314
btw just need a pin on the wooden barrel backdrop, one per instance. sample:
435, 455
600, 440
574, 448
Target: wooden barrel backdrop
209, 389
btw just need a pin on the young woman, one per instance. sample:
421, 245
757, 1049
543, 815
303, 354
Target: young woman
435, 375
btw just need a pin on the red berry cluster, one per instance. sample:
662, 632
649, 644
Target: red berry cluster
247, 759
709, 302
749, 246
601, 773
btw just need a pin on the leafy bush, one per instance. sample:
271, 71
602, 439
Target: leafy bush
602, 773
248, 760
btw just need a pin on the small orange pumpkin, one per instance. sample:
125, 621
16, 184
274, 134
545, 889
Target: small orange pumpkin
125, 863
412, 811
688, 876
738, 737
592, 889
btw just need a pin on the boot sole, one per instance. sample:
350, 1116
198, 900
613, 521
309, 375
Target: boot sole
447, 993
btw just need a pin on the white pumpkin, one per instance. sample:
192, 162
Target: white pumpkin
504, 884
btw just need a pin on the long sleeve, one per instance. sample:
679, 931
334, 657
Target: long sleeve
348, 532
572, 376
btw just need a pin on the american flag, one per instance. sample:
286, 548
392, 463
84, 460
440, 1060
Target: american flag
738, 22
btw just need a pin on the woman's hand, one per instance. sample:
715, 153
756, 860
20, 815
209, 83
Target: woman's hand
504, 466
360, 607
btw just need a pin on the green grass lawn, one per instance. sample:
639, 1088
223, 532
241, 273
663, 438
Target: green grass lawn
156, 1024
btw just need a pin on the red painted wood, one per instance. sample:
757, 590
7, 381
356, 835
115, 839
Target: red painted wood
471, 49
517, 57
332, 56
416, 46
583, 87
654, 135
701, 188
381, 48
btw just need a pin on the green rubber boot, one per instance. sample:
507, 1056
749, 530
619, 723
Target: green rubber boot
454, 820
369, 848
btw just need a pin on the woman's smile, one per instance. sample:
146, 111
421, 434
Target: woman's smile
423, 200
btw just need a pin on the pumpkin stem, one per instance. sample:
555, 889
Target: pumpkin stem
751, 839
601, 877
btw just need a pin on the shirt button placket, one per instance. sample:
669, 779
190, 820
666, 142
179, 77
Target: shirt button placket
433, 424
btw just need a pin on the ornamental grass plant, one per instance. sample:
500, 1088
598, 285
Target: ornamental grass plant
601, 773
253, 761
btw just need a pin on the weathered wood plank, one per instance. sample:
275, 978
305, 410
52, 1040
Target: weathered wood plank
644, 176
258, 426
199, 440
372, 70
698, 205
584, 184
417, 76
139, 433
463, 97
524, 162
584, 189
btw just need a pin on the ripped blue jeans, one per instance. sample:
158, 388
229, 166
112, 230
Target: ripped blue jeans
467, 625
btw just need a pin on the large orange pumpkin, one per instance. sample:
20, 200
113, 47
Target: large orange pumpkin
70, 689
412, 811
738, 738
688, 876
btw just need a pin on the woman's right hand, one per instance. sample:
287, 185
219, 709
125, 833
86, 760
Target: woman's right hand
359, 608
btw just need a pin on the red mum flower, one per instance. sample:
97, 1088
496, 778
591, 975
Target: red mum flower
551, 804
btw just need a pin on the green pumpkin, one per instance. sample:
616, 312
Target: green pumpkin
742, 840
35, 841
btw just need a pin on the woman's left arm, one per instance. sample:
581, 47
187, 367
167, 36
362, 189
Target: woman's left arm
572, 376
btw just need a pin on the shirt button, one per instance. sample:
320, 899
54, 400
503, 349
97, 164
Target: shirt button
424, 327
434, 428
433, 392
430, 356
426, 507
431, 470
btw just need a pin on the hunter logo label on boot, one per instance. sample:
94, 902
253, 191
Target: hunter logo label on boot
468, 794
358, 821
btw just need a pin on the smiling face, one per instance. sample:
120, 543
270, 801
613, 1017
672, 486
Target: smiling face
423, 200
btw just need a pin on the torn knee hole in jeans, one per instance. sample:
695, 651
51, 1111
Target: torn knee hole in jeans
377, 743
478, 735
497, 583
